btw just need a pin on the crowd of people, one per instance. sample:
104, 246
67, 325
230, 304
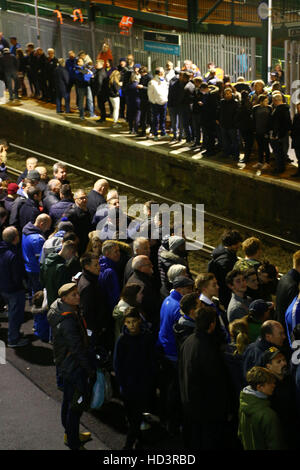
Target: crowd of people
206, 110
211, 355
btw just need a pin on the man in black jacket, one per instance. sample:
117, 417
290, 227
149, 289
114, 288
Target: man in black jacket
288, 289
96, 196
52, 195
100, 88
61, 79
143, 275
30, 209
9, 67
224, 258
98, 319
205, 387
80, 217
227, 120
185, 112
71, 356
281, 125
145, 104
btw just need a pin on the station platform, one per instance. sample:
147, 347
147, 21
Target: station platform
238, 192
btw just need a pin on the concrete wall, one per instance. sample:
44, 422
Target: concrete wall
267, 205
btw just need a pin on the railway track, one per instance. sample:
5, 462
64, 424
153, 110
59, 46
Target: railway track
160, 198
204, 249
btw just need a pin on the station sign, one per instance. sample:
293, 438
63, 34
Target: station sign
164, 43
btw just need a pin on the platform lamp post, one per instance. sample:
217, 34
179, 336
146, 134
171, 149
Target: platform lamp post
270, 27
37, 23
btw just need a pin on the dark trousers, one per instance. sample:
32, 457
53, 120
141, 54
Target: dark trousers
186, 119
101, 100
196, 121
176, 124
247, 139
170, 402
70, 417
209, 136
279, 154
66, 98
133, 117
134, 412
12, 84
230, 142
263, 148
16, 306
122, 106
159, 112
145, 115
42, 85
207, 436
74, 387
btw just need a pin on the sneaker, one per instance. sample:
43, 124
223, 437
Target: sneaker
22, 342
257, 165
83, 437
266, 166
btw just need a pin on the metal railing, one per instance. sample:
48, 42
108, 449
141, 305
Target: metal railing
225, 51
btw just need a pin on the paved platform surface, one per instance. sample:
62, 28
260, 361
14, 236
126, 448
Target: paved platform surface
30, 419
41, 109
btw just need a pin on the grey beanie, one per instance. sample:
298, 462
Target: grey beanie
175, 242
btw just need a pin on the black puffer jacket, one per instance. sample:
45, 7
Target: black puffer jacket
70, 341
222, 262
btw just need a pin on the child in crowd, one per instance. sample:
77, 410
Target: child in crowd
135, 368
259, 426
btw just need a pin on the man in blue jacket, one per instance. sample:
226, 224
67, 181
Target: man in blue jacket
169, 315
12, 290
32, 245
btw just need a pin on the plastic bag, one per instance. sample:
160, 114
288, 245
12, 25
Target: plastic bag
98, 393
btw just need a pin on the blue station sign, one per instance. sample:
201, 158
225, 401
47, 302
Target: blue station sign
164, 43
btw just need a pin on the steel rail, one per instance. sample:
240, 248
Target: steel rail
215, 217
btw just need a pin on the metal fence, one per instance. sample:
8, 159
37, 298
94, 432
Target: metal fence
235, 55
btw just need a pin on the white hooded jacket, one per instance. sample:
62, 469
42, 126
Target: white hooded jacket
158, 90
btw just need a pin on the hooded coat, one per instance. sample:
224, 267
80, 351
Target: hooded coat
259, 426
70, 341
109, 282
54, 274
12, 270
205, 387
222, 263
32, 244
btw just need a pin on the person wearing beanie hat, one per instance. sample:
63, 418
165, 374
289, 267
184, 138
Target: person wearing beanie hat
12, 189
9, 66
283, 400
176, 254
70, 350
54, 243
